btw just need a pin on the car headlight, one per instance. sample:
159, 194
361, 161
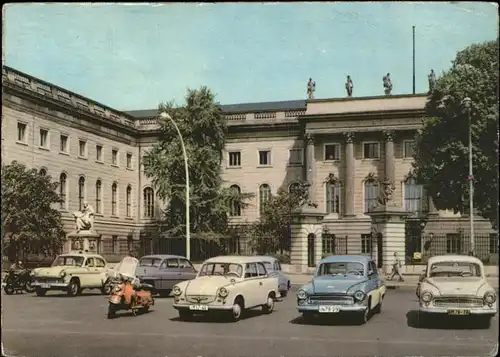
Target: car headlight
223, 292
359, 295
176, 290
490, 297
426, 296
301, 294
63, 274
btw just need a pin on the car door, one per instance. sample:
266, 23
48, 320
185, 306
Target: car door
187, 270
282, 279
264, 283
169, 273
100, 268
373, 283
251, 285
87, 273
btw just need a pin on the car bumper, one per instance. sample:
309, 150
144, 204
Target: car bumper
341, 309
51, 286
209, 308
446, 311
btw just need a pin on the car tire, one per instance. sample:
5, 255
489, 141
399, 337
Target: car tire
185, 315
283, 293
40, 291
237, 311
365, 315
73, 288
268, 307
28, 286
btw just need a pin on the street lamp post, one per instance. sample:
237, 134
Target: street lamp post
467, 104
186, 168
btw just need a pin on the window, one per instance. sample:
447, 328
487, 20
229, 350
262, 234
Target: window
277, 266
294, 188
149, 202
235, 210
265, 158
453, 243
408, 148
44, 136
99, 263
493, 243
129, 201
89, 262
130, 243
63, 141
98, 193
371, 151
251, 270
414, 196
366, 243
62, 190
295, 156
331, 152
115, 245
43, 172
373, 267
114, 197
185, 264
114, 157
170, 263
129, 161
371, 195
82, 148
261, 269
98, 153
21, 132
235, 159
81, 192
333, 193
264, 196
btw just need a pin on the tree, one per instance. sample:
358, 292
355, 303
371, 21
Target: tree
441, 150
204, 131
271, 233
29, 223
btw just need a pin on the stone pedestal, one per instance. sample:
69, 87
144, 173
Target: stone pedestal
305, 222
388, 221
84, 241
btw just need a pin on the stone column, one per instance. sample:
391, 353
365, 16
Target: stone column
432, 208
389, 155
310, 165
350, 172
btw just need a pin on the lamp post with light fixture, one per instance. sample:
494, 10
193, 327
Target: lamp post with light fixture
467, 105
165, 115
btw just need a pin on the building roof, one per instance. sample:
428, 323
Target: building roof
346, 258
453, 258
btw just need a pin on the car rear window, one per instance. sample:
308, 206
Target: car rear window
150, 262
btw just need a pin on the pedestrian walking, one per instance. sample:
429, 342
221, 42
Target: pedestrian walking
396, 268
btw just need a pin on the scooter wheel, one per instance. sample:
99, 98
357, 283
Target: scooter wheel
111, 311
9, 290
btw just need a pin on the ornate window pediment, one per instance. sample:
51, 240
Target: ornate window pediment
333, 180
410, 175
372, 178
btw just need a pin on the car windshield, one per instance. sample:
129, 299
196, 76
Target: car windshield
68, 260
210, 269
150, 262
454, 269
341, 268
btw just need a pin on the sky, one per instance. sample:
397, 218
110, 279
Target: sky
134, 56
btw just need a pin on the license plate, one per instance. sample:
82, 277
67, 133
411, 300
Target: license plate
459, 312
198, 308
329, 309
45, 286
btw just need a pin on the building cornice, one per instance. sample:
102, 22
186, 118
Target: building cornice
365, 115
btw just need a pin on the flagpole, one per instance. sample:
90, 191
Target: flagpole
413, 59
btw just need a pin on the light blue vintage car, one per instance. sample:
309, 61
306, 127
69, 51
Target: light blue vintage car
343, 284
273, 266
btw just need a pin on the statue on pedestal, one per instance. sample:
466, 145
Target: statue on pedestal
311, 88
432, 81
387, 84
84, 218
387, 192
349, 86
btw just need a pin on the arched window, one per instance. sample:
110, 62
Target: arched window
149, 202
333, 195
235, 210
114, 199
43, 172
98, 196
129, 201
81, 192
414, 196
62, 190
294, 188
264, 196
371, 195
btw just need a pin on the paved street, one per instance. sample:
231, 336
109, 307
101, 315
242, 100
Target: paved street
60, 326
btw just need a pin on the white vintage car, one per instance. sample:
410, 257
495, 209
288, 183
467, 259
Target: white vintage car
456, 285
72, 273
229, 284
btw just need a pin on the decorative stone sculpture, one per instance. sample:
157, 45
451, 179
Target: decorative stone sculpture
311, 88
84, 218
349, 86
432, 81
387, 84
387, 192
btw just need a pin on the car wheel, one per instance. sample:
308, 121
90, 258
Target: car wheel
283, 293
268, 307
237, 310
28, 286
106, 288
378, 309
185, 315
9, 289
73, 288
365, 315
40, 291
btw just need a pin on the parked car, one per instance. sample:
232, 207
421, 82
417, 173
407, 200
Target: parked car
227, 284
164, 271
456, 285
72, 273
273, 266
343, 284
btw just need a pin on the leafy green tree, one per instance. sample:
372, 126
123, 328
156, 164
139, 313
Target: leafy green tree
29, 223
271, 233
204, 131
441, 152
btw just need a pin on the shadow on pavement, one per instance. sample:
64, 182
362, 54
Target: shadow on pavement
64, 295
210, 318
338, 320
129, 314
415, 319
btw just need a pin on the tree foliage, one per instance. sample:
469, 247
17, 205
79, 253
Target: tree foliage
441, 152
29, 223
204, 131
271, 233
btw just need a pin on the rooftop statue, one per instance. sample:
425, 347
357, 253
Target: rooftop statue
311, 88
387, 84
349, 86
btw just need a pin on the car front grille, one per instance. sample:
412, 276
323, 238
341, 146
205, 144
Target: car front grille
200, 299
458, 302
49, 280
331, 300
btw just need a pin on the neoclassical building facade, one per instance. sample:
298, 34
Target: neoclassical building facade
342, 147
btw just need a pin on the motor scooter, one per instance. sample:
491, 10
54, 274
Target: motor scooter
18, 280
130, 295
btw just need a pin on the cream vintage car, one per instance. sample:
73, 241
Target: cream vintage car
456, 285
71, 272
228, 284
